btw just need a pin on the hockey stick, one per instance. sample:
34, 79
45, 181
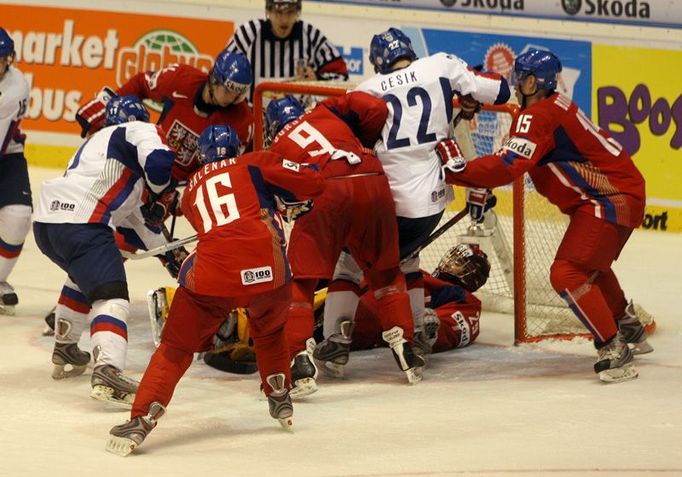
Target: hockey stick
437, 233
161, 249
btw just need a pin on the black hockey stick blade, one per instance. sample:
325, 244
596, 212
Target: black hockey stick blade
436, 233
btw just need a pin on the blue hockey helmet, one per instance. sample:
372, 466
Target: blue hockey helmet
6, 43
232, 70
280, 112
388, 47
542, 64
217, 143
123, 109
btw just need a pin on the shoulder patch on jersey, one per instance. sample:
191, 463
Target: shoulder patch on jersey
521, 146
291, 165
256, 275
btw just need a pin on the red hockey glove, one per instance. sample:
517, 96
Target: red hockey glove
91, 116
479, 201
293, 210
450, 155
173, 259
469, 106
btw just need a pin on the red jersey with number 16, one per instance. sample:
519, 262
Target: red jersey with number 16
231, 205
572, 162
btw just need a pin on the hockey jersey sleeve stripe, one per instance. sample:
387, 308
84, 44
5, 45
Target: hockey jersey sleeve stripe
8, 250
109, 323
11, 131
114, 197
567, 173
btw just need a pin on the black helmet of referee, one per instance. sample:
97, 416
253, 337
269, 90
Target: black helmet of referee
282, 4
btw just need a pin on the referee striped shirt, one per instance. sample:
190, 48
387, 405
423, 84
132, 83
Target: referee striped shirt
273, 58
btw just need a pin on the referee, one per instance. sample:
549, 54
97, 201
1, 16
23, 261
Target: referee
283, 47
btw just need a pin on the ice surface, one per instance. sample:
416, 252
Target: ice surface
490, 410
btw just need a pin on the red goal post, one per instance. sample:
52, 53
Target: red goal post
520, 237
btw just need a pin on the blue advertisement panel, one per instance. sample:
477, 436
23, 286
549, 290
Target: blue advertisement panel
497, 53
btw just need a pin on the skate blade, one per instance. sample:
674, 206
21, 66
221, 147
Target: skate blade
107, 394
7, 310
287, 423
303, 387
641, 348
121, 446
60, 371
330, 369
414, 375
618, 375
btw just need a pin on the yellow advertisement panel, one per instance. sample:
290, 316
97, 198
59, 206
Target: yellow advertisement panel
68, 55
638, 100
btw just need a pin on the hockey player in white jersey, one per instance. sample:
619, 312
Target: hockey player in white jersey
15, 189
108, 183
419, 95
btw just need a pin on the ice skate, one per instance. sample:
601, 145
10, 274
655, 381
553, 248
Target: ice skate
68, 355
124, 438
332, 354
111, 385
409, 362
49, 323
279, 401
8, 299
633, 331
615, 361
303, 372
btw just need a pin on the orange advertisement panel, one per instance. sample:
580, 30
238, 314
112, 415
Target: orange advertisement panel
68, 55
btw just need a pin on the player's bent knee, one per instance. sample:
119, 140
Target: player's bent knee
15, 222
565, 275
110, 290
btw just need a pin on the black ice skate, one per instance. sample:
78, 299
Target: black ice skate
409, 362
69, 360
615, 361
8, 299
333, 353
124, 438
111, 385
303, 372
633, 331
279, 401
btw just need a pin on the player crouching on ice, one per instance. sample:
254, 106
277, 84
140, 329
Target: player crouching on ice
592, 179
103, 188
240, 261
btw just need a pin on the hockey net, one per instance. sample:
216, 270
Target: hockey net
520, 236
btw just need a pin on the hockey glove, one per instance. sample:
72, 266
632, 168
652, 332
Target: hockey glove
158, 208
91, 116
173, 259
450, 156
293, 210
469, 107
479, 201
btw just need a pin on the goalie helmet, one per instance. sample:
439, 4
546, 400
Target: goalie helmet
388, 47
466, 265
217, 143
280, 112
123, 109
542, 64
6, 43
232, 70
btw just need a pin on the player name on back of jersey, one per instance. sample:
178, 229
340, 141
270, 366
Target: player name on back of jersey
207, 169
399, 78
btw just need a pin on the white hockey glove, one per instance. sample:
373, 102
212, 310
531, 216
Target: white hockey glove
91, 115
479, 201
293, 210
451, 156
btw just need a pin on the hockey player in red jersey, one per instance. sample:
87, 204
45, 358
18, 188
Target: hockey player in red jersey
589, 176
239, 261
356, 213
192, 100
452, 312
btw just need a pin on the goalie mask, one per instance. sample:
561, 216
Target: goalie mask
217, 143
388, 47
466, 265
233, 71
280, 112
124, 109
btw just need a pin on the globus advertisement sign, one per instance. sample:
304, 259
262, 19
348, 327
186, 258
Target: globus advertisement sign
68, 55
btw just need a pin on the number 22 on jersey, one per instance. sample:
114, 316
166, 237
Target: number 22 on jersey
222, 206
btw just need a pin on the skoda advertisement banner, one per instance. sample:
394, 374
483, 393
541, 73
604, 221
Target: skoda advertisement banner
68, 55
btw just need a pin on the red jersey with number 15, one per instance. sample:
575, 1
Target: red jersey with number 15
572, 162
231, 205
185, 115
